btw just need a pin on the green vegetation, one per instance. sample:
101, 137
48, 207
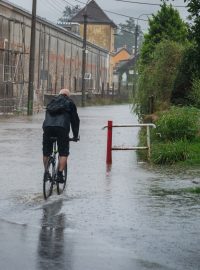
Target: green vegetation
195, 190
176, 137
194, 94
168, 85
194, 10
165, 53
169, 153
68, 13
165, 25
126, 35
157, 78
182, 191
179, 123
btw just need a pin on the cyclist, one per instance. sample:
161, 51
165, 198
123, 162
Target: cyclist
61, 113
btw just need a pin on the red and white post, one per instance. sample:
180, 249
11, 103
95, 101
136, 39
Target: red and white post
109, 143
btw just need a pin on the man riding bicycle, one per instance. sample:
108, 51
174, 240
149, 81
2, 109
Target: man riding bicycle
61, 113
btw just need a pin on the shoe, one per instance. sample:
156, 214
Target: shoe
47, 176
60, 178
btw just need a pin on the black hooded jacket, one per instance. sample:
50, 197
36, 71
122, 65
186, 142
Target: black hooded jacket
64, 119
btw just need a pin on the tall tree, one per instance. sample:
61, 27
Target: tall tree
126, 35
194, 10
165, 25
157, 78
68, 13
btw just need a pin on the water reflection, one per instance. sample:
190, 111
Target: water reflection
108, 169
51, 238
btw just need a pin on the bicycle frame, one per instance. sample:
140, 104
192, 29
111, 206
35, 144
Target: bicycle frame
54, 154
50, 178
54, 160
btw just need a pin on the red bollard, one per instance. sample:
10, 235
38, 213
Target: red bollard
109, 143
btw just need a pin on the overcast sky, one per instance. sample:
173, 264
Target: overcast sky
52, 9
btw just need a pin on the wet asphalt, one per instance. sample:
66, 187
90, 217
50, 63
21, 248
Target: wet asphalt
129, 216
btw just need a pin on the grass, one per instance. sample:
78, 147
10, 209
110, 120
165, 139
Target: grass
176, 138
194, 190
169, 153
177, 124
167, 192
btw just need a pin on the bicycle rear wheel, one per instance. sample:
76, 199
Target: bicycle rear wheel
61, 186
48, 180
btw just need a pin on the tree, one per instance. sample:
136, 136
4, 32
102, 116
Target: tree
194, 10
164, 50
68, 13
187, 82
157, 78
126, 35
165, 25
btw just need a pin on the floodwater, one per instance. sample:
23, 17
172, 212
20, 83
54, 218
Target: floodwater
128, 216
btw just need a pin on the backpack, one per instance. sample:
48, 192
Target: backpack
57, 105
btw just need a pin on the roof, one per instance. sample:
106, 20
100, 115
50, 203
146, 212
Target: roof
119, 50
95, 15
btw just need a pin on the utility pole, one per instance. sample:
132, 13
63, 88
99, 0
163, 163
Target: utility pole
136, 39
136, 46
137, 32
84, 56
32, 60
135, 62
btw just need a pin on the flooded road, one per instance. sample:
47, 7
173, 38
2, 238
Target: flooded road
125, 217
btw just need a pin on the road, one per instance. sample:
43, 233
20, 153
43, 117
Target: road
130, 216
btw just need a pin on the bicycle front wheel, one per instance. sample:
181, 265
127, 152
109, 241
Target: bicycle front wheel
48, 180
61, 186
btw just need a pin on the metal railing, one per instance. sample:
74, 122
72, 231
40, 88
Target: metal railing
110, 148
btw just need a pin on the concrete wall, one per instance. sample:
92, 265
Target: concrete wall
100, 34
58, 59
103, 36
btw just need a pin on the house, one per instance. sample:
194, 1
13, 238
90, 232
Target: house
100, 28
125, 69
120, 55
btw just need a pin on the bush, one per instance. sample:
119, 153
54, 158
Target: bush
157, 77
169, 153
194, 95
175, 138
186, 72
179, 123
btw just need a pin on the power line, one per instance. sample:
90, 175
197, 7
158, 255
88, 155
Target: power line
58, 7
55, 6
124, 15
108, 11
66, 2
143, 3
52, 9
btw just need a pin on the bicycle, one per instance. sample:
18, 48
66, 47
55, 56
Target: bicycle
50, 177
